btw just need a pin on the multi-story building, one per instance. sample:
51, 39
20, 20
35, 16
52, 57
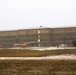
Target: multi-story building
65, 35
43, 36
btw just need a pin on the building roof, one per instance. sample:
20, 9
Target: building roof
40, 27
63, 27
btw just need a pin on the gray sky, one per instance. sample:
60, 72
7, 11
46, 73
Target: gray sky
21, 14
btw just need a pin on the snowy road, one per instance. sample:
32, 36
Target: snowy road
58, 57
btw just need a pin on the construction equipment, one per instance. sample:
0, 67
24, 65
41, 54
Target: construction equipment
26, 44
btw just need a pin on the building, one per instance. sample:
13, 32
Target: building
43, 35
65, 35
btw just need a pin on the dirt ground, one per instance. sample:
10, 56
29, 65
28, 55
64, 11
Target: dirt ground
38, 67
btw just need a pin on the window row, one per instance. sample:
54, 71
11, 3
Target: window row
70, 29
8, 33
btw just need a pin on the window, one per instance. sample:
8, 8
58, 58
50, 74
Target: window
38, 31
38, 36
38, 40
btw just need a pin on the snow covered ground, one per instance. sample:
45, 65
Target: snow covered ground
43, 48
57, 57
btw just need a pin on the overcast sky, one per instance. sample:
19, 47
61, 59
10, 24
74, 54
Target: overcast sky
21, 14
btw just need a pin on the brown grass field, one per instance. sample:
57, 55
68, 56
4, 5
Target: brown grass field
37, 67
33, 53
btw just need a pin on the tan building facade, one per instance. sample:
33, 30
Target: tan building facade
65, 35
43, 37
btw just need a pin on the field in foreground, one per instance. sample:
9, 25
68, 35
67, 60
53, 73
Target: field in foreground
38, 67
34, 53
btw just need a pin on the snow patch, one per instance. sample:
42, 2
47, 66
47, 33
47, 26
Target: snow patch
54, 57
38, 48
